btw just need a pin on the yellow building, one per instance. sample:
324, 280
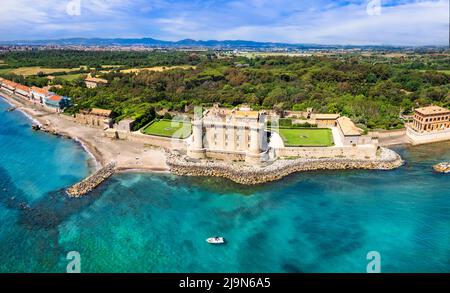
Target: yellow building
98, 118
326, 120
429, 119
92, 82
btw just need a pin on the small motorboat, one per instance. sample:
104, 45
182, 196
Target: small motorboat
215, 240
443, 167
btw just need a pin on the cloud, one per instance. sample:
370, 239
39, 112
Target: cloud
401, 22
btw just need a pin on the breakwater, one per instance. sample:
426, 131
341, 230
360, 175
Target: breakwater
90, 183
252, 175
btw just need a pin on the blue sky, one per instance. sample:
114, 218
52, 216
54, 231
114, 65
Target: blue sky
398, 22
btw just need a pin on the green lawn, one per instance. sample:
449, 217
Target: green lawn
169, 128
306, 137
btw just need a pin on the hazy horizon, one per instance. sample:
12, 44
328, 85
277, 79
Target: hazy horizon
212, 40
321, 22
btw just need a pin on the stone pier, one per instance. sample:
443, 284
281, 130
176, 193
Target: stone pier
90, 183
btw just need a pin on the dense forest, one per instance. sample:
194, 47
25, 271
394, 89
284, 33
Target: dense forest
96, 59
374, 91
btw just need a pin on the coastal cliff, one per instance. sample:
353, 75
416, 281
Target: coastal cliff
250, 175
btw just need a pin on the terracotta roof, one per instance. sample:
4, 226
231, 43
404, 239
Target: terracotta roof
96, 80
219, 112
55, 98
101, 112
48, 87
247, 114
23, 88
327, 116
40, 90
348, 128
432, 110
10, 83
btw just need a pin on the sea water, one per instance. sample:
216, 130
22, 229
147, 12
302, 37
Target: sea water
307, 222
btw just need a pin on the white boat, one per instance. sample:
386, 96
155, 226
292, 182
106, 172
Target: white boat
215, 240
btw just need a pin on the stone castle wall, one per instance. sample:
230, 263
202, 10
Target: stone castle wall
251, 175
349, 152
159, 141
427, 137
225, 156
388, 133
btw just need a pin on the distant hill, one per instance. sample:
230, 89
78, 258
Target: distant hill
189, 43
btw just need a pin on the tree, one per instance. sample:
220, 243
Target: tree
142, 120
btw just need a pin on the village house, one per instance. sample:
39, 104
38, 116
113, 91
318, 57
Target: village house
93, 82
23, 91
95, 117
57, 103
9, 86
39, 95
232, 134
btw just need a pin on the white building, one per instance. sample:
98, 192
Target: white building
231, 134
22, 91
350, 133
39, 95
8, 86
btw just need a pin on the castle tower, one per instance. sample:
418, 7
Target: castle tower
196, 149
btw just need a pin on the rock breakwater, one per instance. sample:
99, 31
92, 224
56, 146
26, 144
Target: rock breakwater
90, 183
252, 175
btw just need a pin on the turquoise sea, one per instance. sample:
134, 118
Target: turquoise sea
309, 222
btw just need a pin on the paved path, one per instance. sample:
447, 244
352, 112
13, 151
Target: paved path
337, 137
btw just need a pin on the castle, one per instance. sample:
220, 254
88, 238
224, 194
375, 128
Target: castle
234, 134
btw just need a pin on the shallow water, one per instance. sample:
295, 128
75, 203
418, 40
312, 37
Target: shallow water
310, 222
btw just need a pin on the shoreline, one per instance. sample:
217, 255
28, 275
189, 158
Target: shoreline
101, 150
19, 108
95, 159
143, 170
132, 157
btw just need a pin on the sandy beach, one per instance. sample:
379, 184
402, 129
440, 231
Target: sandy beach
129, 156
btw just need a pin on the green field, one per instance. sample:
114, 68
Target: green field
71, 77
441, 71
34, 70
296, 137
169, 128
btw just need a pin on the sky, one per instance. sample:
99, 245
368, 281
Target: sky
353, 22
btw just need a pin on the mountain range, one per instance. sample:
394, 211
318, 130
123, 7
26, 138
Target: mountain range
150, 42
